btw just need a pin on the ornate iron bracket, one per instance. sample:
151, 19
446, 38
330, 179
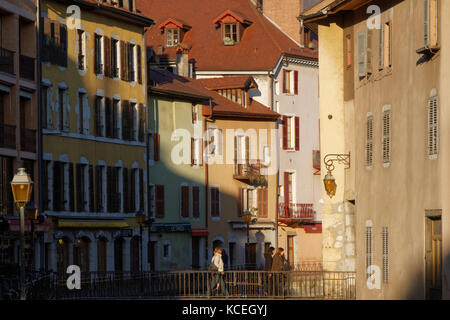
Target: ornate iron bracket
329, 160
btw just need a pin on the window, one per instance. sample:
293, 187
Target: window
194, 110
196, 151
99, 116
215, 142
196, 201
63, 117
172, 37
141, 123
98, 57
99, 190
291, 133
290, 81
47, 116
131, 62
82, 101
369, 253
113, 192
154, 146
6, 175
115, 58
159, 198
63, 186
348, 51
185, 201
262, 202
369, 140
54, 46
249, 199
386, 136
266, 155
166, 250
289, 187
433, 127
386, 54
81, 49
134, 121
431, 22
385, 246
230, 35
151, 200
215, 201
364, 53
290, 250
82, 190
110, 118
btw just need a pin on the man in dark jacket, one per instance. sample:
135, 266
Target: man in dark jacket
277, 267
268, 259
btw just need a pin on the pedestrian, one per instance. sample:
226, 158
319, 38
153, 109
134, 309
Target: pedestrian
277, 268
268, 258
225, 259
217, 279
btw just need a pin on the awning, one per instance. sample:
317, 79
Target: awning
63, 223
170, 227
313, 228
199, 232
14, 225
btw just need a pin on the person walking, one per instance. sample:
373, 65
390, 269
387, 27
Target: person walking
268, 258
277, 267
217, 280
225, 259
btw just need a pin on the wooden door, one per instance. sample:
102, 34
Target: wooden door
151, 255
290, 247
195, 253
134, 250
433, 257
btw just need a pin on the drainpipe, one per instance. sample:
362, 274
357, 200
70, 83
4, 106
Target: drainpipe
39, 115
205, 120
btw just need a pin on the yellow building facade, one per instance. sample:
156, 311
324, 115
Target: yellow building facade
94, 136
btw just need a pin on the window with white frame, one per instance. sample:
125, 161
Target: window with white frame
135, 120
82, 114
172, 37
115, 57
63, 114
249, 199
98, 54
132, 55
81, 49
266, 155
196, 151
386, 134
290, 81
433, 127
47, 115
369, 140
215, 141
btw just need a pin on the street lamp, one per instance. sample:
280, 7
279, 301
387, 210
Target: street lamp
248, 218
329, 181
22, 186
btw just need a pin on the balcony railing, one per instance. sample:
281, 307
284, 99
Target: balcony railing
26, 67
6, 60
243, 171
196, 284
7, 136
28, 140
296, 211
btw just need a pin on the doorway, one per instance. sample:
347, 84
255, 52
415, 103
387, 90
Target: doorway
433, 255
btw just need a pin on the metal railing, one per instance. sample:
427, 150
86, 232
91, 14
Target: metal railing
26, 67
246, 169
300, 211
6, 60
28, 140
7, 136
200, 284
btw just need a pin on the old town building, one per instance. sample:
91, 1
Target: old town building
383, 96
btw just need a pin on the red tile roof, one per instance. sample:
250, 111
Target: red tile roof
165, 82
259, 48
229, 82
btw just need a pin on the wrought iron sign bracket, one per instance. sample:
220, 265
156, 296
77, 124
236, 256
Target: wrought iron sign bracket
330, 159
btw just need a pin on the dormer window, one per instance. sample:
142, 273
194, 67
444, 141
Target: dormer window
172, 37
230, 34
232, 25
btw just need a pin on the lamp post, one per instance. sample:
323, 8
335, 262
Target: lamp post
140, 219
21, 187
248, 218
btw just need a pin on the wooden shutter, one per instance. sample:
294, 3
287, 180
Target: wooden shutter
109, 189
192, 151
285, 132
56, 43
91, 189
46, 38
247, 150
433, 130
297, 133
125, 120
286, 188
156, 146
369, 51
369, 140
185, 201
159, 195
141, 115
71, 189
141, 190
63, 45
56, 186
130, 61
97, 116
80, 196
196, 201
386, 135
236, 149
390, 43
262, 202
426, 23
295, 81
107, 53
385, 246
381, 49
133, 190
123, 59
99, 188
96, 58
139, 64
125, 190
362, 54
285, 90
45, 185
108, 117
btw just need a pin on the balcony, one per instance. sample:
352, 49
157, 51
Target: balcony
249, 171
296, 212
26, 67
7, 136
28, 140
6, 61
